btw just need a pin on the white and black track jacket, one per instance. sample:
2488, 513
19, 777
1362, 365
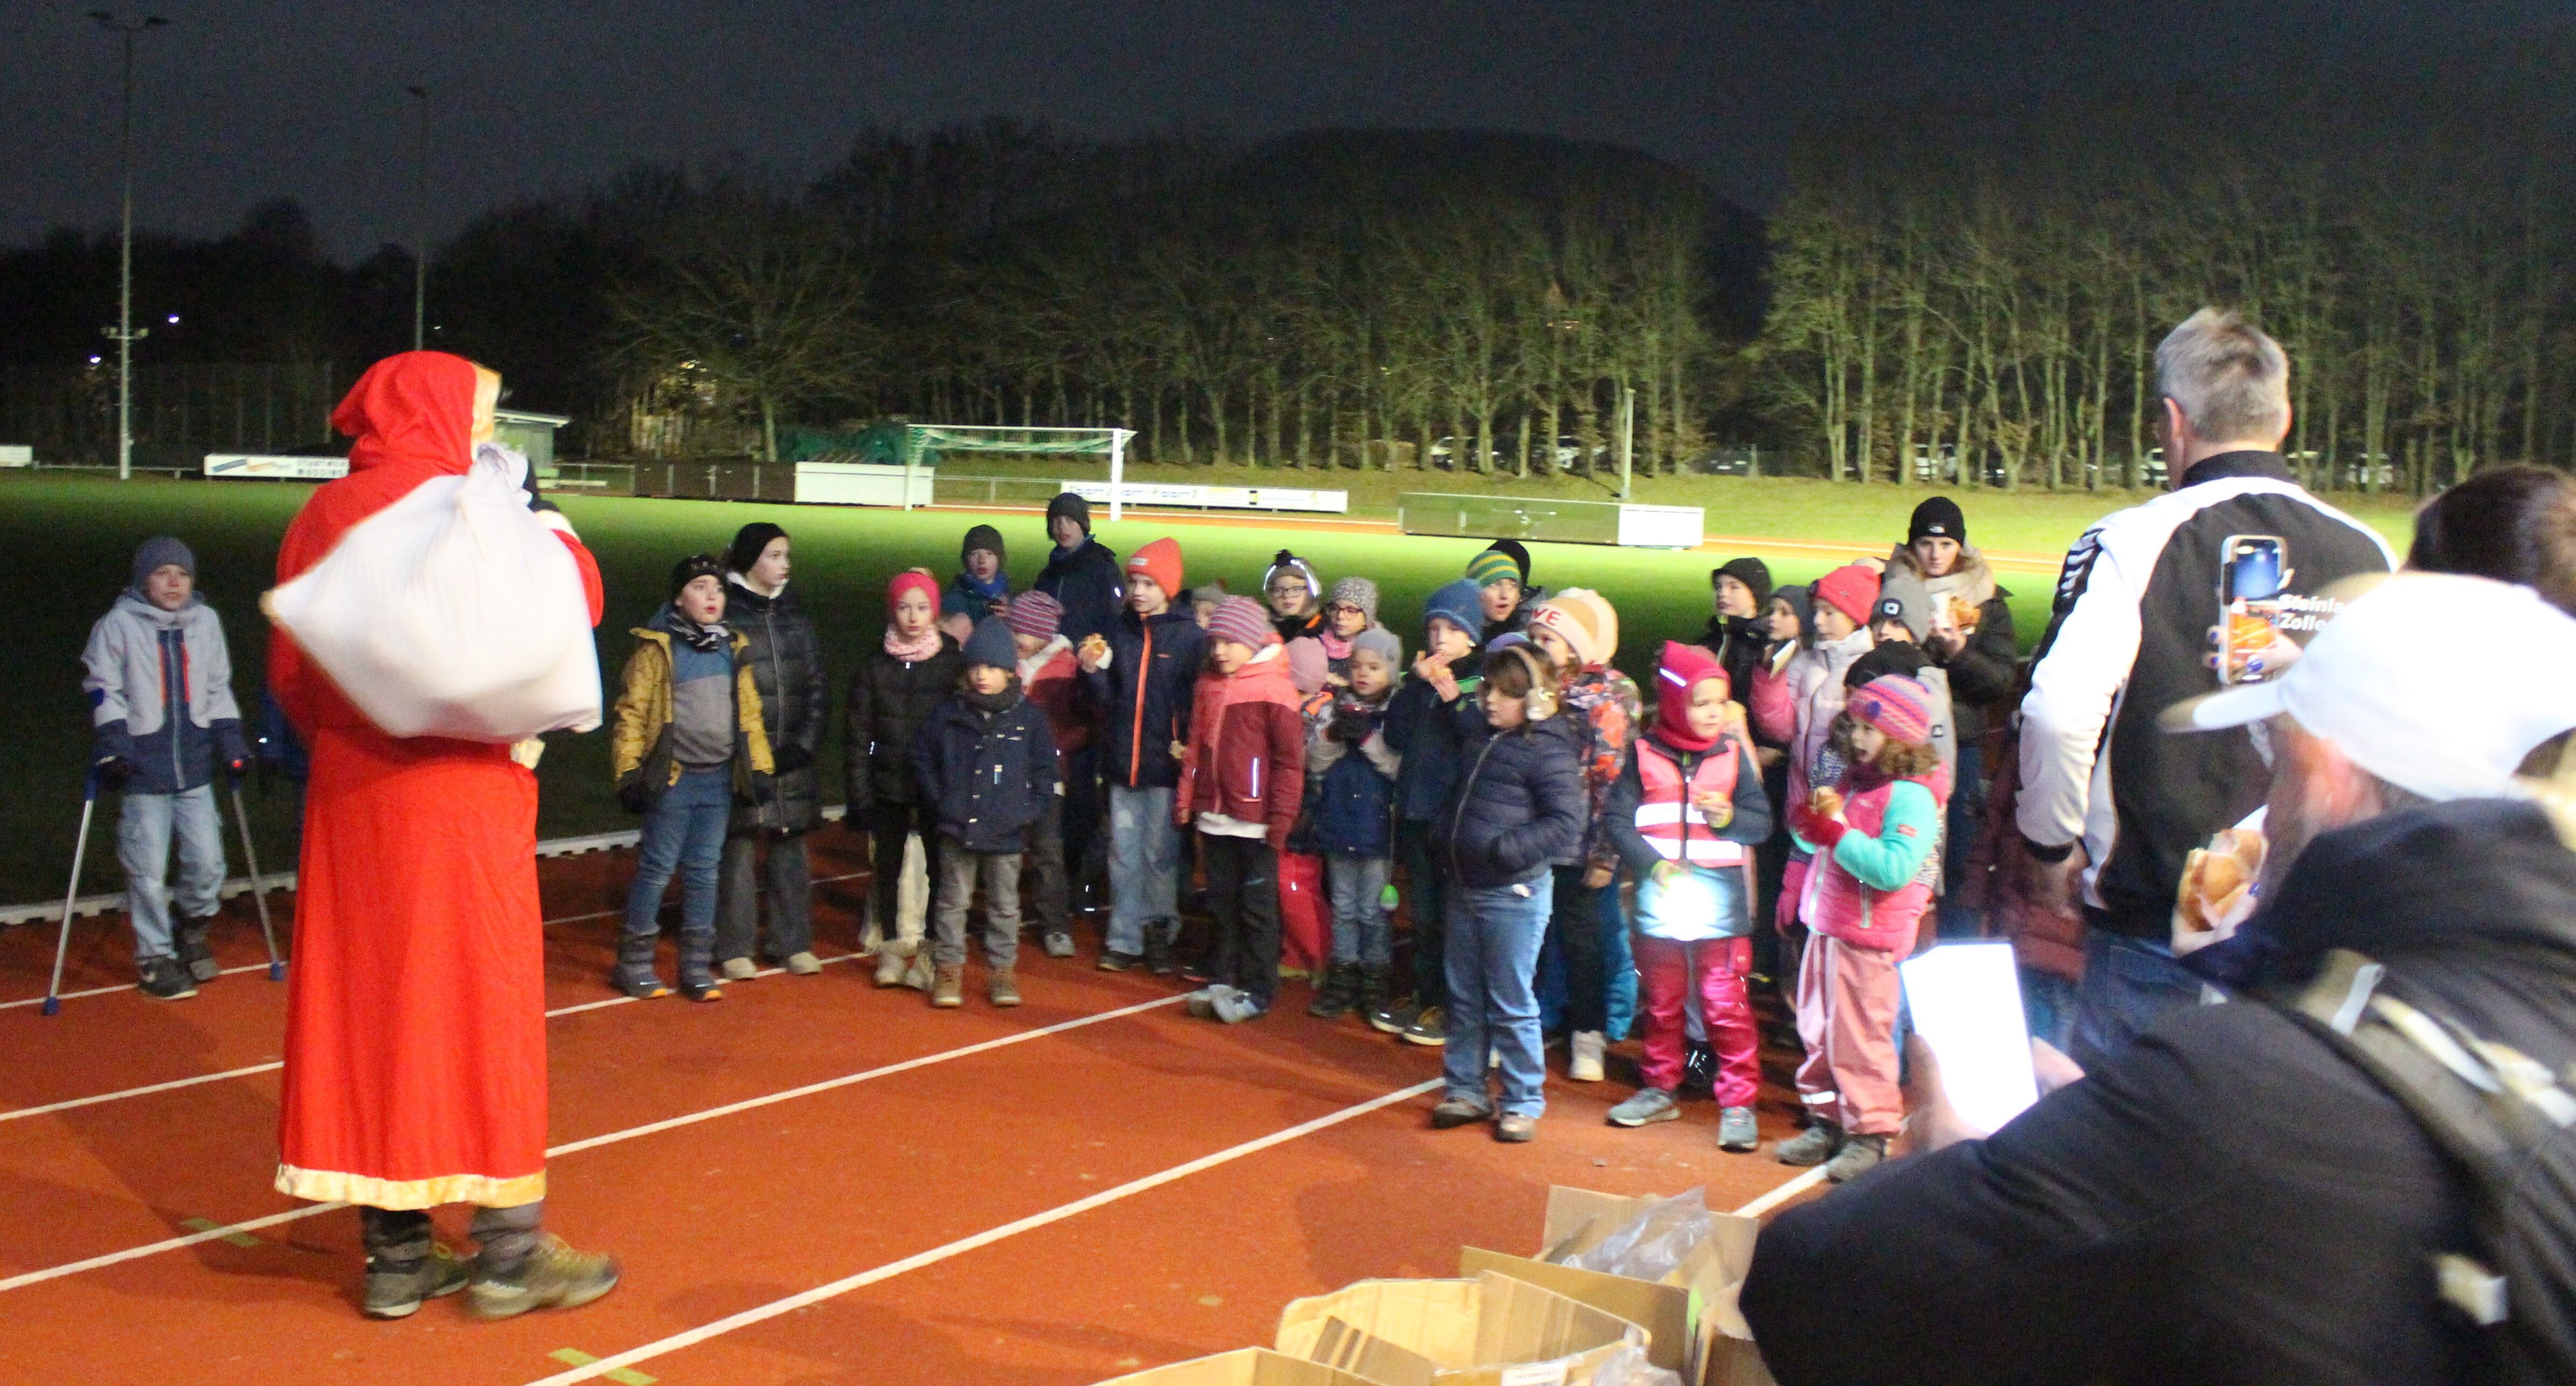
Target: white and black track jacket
2128, 638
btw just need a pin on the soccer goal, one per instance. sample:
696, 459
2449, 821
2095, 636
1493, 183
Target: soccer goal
925, 443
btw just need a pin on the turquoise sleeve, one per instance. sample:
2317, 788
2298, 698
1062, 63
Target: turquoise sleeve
1891, 860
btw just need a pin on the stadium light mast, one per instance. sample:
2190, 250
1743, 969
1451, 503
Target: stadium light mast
124, 333
420, 228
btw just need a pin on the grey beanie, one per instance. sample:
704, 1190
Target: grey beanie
1903, 597
1380, 641
992, 644
159, 551
1359, 592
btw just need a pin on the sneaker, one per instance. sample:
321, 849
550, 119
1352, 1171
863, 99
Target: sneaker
1813, 1146
553, 1276
396, 1290
1454, 1112
701, 988
1583, 1057
948, 986
1158, 950
1738, 1131
802, 964
1202, 1002
1646, 1107
1372, 994
1430, 1027
1004, 988
164, 979
1059, 944
1395, 1019
918, 974
740, 969
1236, 1007
1338, 994
1119, 962
645, 986
1859, 1155
1516, 1130
194, 954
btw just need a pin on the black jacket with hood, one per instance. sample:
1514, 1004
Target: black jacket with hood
1088, 583
2230, 1200
1520, 806
786, 659
889, 701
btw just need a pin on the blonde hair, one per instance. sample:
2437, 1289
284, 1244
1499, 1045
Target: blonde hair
2231, 379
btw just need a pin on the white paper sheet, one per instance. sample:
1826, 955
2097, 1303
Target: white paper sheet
1965, 999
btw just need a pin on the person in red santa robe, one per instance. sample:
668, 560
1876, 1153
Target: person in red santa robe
416, 1029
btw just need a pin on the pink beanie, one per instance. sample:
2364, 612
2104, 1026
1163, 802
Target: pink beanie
1242, 620
1896, 705
1308, 664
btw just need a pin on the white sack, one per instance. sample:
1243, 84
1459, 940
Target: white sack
454, 611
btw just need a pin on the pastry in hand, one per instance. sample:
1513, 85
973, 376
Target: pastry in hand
2217, 890
1964, 614
1827, 802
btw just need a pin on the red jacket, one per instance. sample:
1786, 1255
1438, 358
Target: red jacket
1247, 748
1054, 685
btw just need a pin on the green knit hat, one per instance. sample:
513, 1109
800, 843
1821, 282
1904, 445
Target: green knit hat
1491, 567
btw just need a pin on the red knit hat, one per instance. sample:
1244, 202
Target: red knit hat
1896, 705
905, 581
1851, 589
1243, 621
1161, 561
1683, 668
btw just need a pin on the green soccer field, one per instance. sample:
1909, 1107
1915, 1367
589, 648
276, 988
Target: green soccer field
74, 535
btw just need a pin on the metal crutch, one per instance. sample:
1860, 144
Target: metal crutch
258, 892
80, 847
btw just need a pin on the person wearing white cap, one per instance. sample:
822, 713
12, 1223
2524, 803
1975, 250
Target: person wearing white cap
2241, 1195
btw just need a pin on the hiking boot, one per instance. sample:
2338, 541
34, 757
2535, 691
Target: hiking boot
1430, 1027
1699, 1070
552, 1276
1646, 1107
1813, 1146
1859, 1155
948, 986
738, 970
1583, 1056
1059, 944
397, 1289
1338, 994
1236, 1007
1372, 995
1738, 1131
1516, 1130
802, 964
890, 966
1119, 962
1454, 1112
1395, 1019
646, 986
163, 979
1004, 988
194, 954
1158, 949
701, 989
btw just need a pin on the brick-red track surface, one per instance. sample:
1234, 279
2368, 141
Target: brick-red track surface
727, 1214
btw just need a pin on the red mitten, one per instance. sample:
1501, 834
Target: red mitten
1817, 828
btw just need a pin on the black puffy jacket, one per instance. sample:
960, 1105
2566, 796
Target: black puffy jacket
2229, 1200
1519, 808
889, 700
786, 658
1143, 698
1089, 584
988, 767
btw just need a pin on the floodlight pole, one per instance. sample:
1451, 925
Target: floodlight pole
125, 335
420, 228
1627, 441
1118, 470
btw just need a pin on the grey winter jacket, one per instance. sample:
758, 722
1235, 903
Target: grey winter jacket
786, 658
160, 688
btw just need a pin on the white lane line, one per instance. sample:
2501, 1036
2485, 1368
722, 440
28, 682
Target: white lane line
275, 1064
891, 1269
263, 967
38, 1277
1782, 1194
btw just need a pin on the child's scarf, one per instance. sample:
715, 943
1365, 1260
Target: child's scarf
998, 587
912, 651
707, 638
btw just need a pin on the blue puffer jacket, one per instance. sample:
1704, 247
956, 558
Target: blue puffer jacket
1425, 732
989, 773
1353, 801
1143, 702
1519, 808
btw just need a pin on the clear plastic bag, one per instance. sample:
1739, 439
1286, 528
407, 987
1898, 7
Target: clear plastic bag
1628, 1367
1649, 1245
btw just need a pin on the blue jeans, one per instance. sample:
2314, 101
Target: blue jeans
1144, 865
143, 833
1491, 949
1964, 824
2128, 983
684, 833
1358, 886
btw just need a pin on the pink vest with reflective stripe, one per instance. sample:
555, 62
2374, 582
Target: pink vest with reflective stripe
1665, 817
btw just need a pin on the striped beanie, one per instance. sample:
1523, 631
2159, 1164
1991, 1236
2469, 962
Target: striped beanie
1490, 567
1898, 706
1035, 615
1243, 621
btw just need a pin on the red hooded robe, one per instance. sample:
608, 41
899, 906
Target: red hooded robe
416, 1029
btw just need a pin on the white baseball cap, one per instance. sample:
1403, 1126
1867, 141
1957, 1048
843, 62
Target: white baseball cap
2434, 682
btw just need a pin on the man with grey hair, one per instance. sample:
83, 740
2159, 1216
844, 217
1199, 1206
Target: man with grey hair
2158, 603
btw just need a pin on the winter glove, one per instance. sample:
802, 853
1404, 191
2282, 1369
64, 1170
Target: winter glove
1350, 731
113, 771
1817, 828
791, 758
632, 793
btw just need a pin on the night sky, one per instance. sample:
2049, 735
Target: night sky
251, 99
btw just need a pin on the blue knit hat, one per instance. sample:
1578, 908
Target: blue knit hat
1459, 604
157, 552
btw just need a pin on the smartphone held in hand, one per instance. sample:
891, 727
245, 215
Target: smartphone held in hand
1966, 1002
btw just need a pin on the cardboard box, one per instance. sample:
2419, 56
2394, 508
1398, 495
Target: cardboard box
1696, 1329
1490, 1330
1242, 1367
